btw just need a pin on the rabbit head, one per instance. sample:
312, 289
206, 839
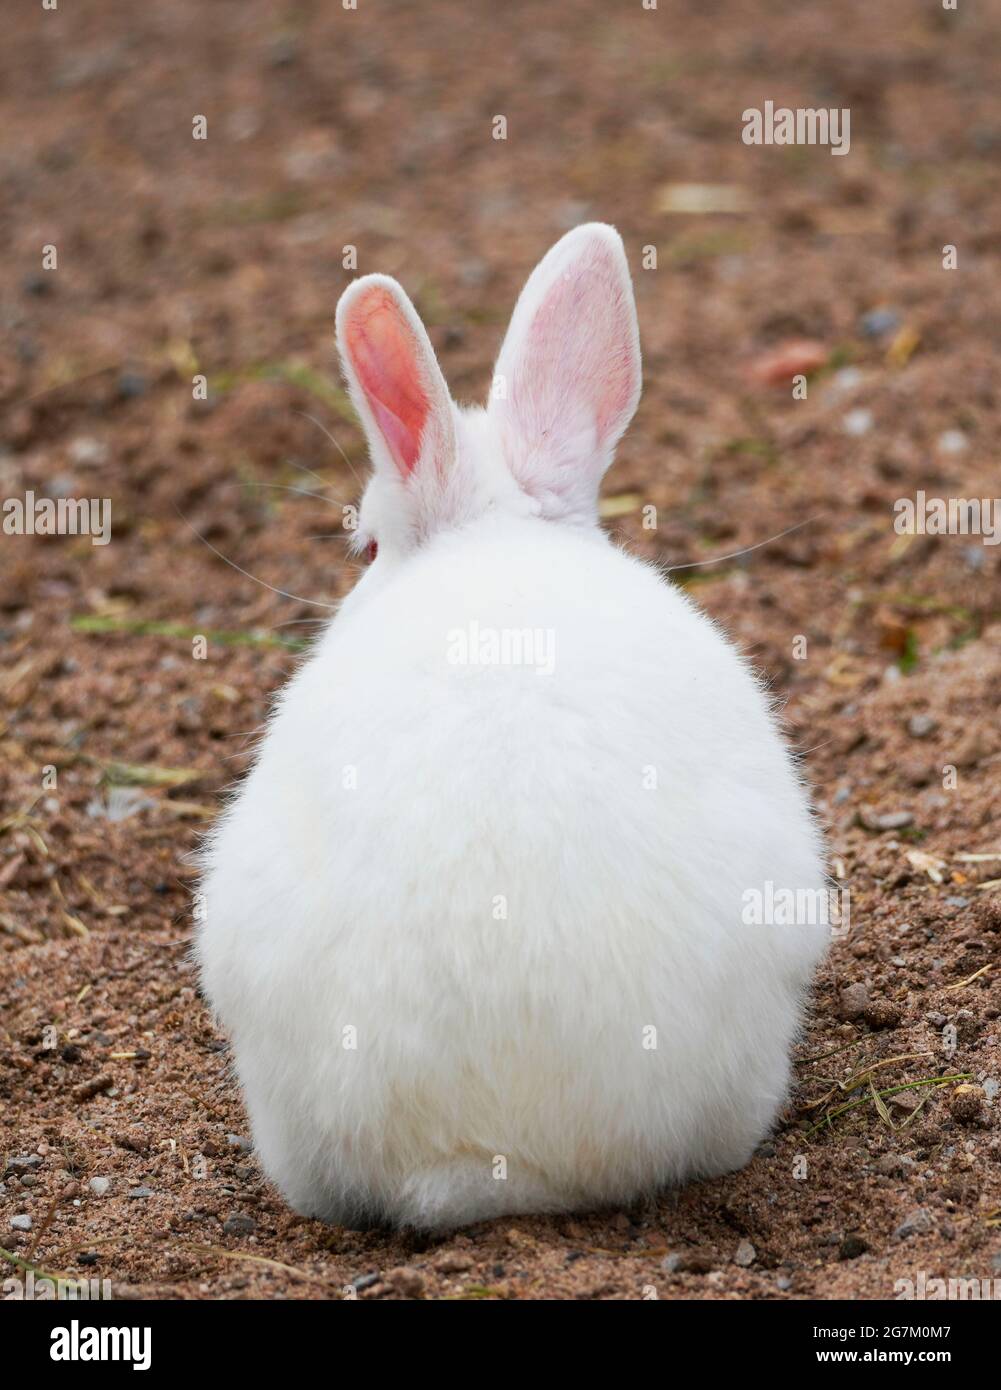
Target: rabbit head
566, 384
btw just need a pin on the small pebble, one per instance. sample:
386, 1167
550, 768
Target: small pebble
952, 442
880, 1013
966, 1103
846, 380
745, 1254
917, 1222
99, 1186
688, 1262
24, 1163
20, 1223
87, 452
407, 1281
131, 384
452, 1263
854, 1001
921, 725
888, 820
878, 322
857, 422
141, 1192
88, 1089
239, 1225
852, 1247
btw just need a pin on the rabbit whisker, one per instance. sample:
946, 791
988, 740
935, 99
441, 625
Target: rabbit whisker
283, 593
718, 559
313, 420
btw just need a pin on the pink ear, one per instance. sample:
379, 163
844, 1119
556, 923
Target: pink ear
379, 344
580, 344
568, 375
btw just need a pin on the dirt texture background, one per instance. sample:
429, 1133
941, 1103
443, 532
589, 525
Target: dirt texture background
122, 1138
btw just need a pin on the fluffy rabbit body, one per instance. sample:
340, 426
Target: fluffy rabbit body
475, 921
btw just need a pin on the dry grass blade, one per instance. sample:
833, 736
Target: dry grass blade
834, 1052
140, 775
138, 628
891, 1091
193, 1095
970, 978
880, 1104
58, 1276
46, 1223
224, 1254
860, 1078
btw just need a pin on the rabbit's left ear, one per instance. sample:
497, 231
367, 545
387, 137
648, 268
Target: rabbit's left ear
568, 377
394, 379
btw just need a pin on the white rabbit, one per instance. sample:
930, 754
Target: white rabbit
475, 921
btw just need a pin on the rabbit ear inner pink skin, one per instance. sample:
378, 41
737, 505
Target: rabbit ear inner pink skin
568, 377
391, 363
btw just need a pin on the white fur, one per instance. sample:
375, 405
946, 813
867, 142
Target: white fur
467, 866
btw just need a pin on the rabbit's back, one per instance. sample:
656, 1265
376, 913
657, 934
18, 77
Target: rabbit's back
475, 919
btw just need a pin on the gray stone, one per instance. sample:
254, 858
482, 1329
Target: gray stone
921, 725
878, 322
917, 1222
24, 1163
854, 1001
239, 1225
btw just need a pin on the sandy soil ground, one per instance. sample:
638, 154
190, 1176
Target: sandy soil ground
121, 1134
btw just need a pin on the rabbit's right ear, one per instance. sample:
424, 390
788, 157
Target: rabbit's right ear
394, 379
568, 377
